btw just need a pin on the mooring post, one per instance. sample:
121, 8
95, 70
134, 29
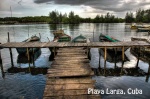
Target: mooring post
33, 57
148, 73
115, 57
122, 60
54, 52
1, 65
105, 56
11, 56
99, 58
28, 54
40, 35
88, 53
137, 64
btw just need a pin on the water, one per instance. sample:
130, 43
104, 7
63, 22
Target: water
28, 86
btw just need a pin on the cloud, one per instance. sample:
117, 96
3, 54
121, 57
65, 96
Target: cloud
109, 5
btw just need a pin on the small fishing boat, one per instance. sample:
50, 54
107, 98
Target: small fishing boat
58, 33
31, 50
62, 38
143, 29
143, 52
59, 36
111, 52
24, 58
80, 39
106, 38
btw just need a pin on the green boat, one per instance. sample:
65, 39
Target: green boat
80, 39
58, 33
59, 36
106, 38
31, 50
111, 53
63, 38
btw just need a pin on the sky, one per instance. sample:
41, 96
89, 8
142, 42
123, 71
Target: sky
84, 8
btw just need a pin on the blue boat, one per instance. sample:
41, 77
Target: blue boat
31, 50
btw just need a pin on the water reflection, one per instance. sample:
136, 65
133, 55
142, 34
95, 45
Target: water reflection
31, 70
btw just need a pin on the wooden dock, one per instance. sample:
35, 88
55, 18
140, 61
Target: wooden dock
69, 44
70, 76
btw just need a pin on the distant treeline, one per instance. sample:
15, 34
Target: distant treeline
56, 17
29, 19
142, 16
71, 18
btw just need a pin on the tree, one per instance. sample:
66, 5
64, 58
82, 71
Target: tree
129, 17
54, 16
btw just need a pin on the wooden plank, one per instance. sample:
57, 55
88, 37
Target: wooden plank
75, 97
70, 66
66, 92
84, 80
66, 63
72, 74
68, 86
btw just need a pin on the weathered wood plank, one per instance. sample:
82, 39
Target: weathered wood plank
72, 74
66, 92
68, 86
70, 81
75, 97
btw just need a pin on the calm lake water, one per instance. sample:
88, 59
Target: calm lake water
28, 86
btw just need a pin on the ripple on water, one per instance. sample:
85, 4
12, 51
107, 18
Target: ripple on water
123, 82
19, 85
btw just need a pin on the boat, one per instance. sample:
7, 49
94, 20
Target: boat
58, 33
59, 36
24, 58
139, 26
80, 39
106, 38
112, 53
143, 52
143, 29
23, 51
62, 38
113, 57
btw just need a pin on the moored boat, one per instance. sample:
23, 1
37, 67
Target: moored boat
58, 33
143, 52
62, 38
112, 52
31, 50
59, 36
144, 29
80, 39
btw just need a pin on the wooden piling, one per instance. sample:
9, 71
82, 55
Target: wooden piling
148, 73
138, 57
115, 56
11, 56
1, 65
122, 60
105, 56
28, 54
88, 53
54, 51
99, 59
40, 35
33, 57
